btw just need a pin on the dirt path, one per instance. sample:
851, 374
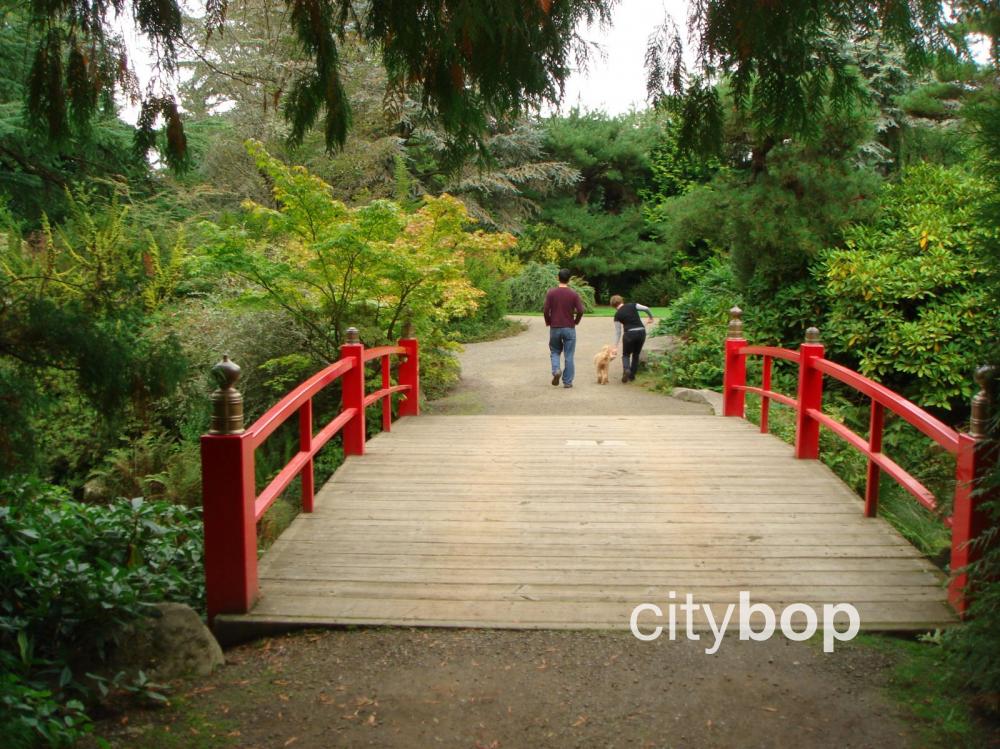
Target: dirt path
481, 689
484, 689
512, 376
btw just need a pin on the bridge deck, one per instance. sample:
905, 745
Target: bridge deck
571, 521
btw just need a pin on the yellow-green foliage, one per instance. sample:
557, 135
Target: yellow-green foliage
906, 295
331, 266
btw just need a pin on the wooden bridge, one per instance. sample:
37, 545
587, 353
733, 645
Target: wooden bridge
571, 521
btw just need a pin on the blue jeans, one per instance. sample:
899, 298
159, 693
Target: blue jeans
563, 341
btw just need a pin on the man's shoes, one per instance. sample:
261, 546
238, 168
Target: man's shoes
625, 377
567, 384
555, 377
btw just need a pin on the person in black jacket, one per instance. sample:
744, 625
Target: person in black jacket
630, 325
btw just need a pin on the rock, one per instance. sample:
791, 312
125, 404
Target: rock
170, 644
691, 395
657, 346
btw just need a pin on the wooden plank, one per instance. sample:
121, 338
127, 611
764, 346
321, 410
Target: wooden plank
497, 521
545, 614
682, 580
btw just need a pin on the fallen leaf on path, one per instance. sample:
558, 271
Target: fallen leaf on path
580, 721
291, 740
770, 709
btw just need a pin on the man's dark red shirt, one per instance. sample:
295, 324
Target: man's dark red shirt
563, 308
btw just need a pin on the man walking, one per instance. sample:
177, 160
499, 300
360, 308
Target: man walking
563, 311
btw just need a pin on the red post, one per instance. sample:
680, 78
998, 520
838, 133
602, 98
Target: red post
228, 492
352, 385
734, 375
765, 402
387, 400
875, 426
307, 476
976, 457
409, 374
810, 396
968, 517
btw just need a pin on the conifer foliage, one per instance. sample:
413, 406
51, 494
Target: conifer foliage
472, 62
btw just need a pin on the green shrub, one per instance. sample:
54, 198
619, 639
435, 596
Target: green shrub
907, 305
488, 317
699, 318
71, 577
656, 290
527, 289
152, 466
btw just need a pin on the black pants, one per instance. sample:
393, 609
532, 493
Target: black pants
632, 342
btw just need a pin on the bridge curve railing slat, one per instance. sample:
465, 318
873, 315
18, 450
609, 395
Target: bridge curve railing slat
968, 519
233, 507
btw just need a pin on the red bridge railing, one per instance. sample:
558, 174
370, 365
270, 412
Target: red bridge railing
232, 506
972, 456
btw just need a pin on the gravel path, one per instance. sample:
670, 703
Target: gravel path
513, 376
482, 689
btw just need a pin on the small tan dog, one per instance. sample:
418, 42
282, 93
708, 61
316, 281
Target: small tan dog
602, 361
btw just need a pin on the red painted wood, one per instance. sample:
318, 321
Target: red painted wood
934, 428
281, 411
734, 379
387, 400
765, 401
352, 386
378, 395
227, 483
279, 483
307, 475
232, 507
919, 492
773, 351
325, 434
810, 397
382, 351
779, 397
409, 375
876, 423
969, 519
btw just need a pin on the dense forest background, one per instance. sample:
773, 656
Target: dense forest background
287, 189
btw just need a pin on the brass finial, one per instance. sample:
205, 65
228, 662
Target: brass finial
735, 323
982, 402
408, 327
812, 335
353, 336
227, 401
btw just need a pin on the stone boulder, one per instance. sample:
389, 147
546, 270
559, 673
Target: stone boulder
172, 643
709, 397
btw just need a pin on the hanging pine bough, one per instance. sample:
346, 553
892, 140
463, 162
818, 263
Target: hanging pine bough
780, 62
471, 62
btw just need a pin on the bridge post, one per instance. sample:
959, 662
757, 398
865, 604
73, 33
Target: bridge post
810, 396
976, 457
353, 393
228, 491
735, 373
409, 372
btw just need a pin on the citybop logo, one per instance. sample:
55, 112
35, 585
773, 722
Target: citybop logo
718, 627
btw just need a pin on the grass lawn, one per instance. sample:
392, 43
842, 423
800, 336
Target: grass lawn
601, 312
